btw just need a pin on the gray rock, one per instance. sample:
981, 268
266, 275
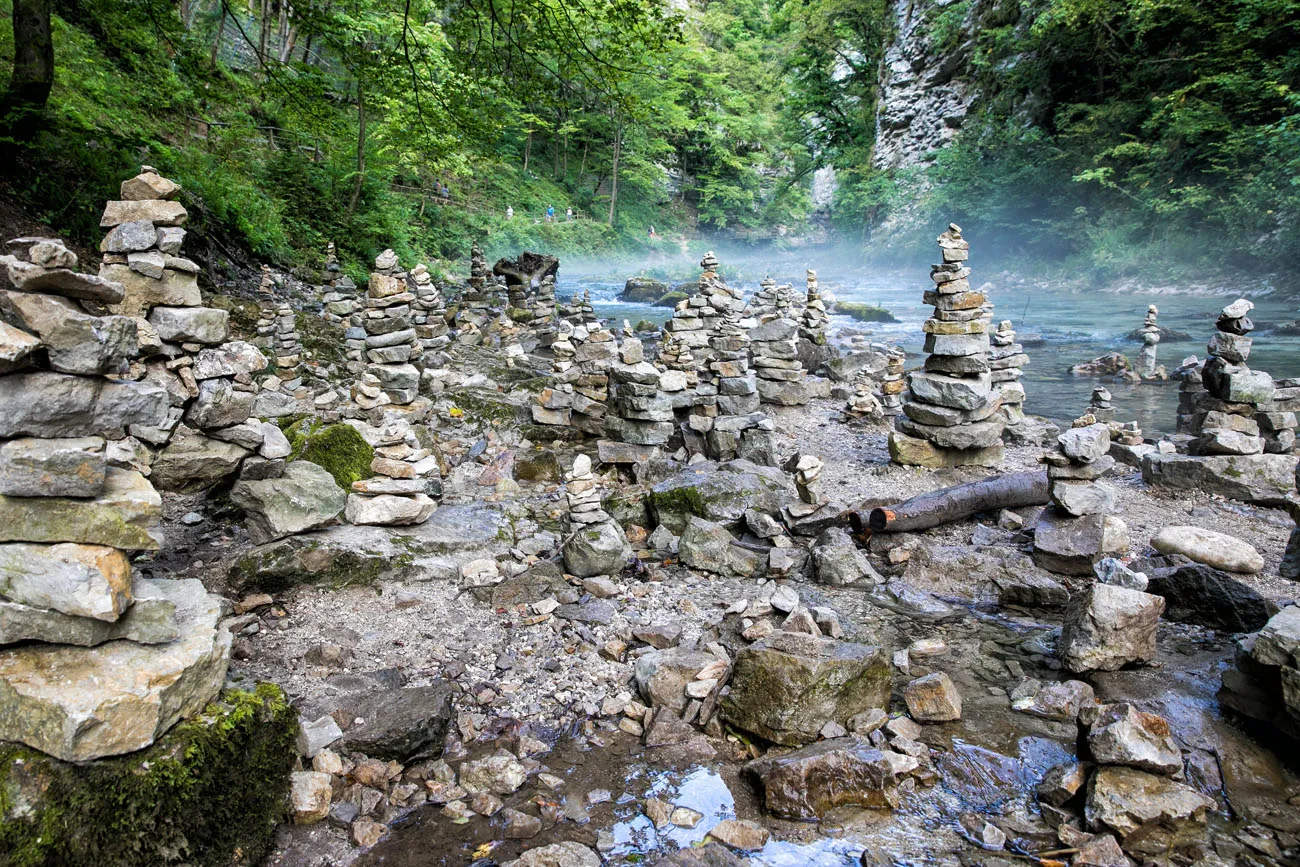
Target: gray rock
190, 324
400, 724
1198, 594
1082, 498
151, 619
75, 341
192, 462
566, 854
219, 404
304, 498
176, 288
316, 735
662, 675
69, 284
933, 698
78, 580
786, 687
1085, 444
838, 560
1218, 550
121, 516
1124, 735
500, 773
1152, 815
1111, 571
65, 467
718, 492
597, 549
956, 392
59, 405
130, 237
1072, 546
812, 781
1259, 479
709, 547
229, 359
1108, 627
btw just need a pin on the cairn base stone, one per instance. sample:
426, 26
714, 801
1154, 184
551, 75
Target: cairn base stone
78, 704
914, 451
1068, 545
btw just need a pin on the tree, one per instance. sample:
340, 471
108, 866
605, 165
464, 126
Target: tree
33, 72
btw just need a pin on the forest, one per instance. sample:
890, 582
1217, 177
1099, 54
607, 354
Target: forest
1114, 137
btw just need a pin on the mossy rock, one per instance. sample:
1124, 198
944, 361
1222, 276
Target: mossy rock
340, 557
210, 792
864, 312
670, 299
339, 448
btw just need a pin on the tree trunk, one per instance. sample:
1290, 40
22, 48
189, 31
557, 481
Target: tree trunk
262, 36
528, 148
216, 42
33, 72
613, 186
361, 151
306, 49
1009, 491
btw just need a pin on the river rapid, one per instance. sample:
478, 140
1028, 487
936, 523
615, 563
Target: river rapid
1059, 326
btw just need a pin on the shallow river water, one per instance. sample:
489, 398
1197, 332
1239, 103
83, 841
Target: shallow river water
1060, 327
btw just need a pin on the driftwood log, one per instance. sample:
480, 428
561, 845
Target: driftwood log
1010, 491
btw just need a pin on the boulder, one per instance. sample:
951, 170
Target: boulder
309, 796
304, 498
50, 404
69, 284
717, 492
219, 404
662, 675
175, 289
838, 560
1207, 597
401, 724
1218, 550
500, 773
597, 549
709, 547
1152, 815
1107, 627
1278, 643
1085, 444
79, 580
121, 516
190, 324
389, 510
914, 451
62, 467
231, 359
16, 348
933, 698
74, 341
1072, 546
192, 462
79, 704
809, 782
1124, 735
787, 686
1259, 479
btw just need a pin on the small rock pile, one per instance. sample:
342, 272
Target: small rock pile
1077, 530
1146, 364
540, 319
1265, 683
1099, 405
780, 374
1006, 360
892, 383
640, 412
429, 316
952, 414
774, 302
1224, 416
596, 544
277, 333
398, 494
340, 293
92, 663
580, 374
390, 337
578, 310
863, 402
675, 355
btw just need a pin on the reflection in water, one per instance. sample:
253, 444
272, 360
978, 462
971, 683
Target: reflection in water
1075, 327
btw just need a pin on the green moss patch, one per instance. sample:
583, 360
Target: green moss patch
339, 448
864, 312
670, 299
210, 792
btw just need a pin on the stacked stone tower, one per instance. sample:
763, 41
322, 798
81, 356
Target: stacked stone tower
391, 341
1223, 420
1078, 529
640, 412
340, 293
951, 416
815, 321
428, 314
1006, 360
1146, 366
93, 663
398, 493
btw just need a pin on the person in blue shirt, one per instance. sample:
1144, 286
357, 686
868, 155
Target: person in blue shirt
550, 213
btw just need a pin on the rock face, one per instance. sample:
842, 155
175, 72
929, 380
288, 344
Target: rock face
83, 703
304, 498
810, 782
787, 686
1107, 627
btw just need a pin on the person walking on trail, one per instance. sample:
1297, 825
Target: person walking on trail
568, 215
510, 212
652, 232
550, 213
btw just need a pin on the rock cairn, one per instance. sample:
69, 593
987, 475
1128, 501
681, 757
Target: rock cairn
1078, 530
1006, 362
951, 414
1099, 405
92, 662
892, 383
340, 293
774, 302
540, 319
807, 475
580, 377
398, 494
555, 402
391, 342
429, 316
640, 412
1150, 333
581, 494
277, 332
579, 310
780, 373
676, 356
814, 323
1223, 420
595, 544
863, 403
1290, 566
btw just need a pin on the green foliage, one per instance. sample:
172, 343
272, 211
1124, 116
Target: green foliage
338, 448
209, 793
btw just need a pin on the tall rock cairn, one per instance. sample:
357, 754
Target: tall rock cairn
1278, 424
951, 417
391, 341
892, 383
1150, 333
676, 356
277, 332
1006, 360
92, 662
555, 402
781, 377
1078, 529
1099, 405
640, 412
398, 493
1223, 419
428, 315
815, 321
594, 354
340, 293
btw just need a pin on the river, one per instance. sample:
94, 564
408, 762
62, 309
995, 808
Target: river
1063, 327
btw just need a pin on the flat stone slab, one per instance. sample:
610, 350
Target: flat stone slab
120, 517
79, 580
1259, 479
79, 703
46, 404
151, 619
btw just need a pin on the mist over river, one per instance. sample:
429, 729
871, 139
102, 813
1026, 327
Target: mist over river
1060, 327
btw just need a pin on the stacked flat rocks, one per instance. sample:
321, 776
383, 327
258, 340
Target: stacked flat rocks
1290, 566
1099, 405
863, 402
1223, 420
1277, 424
951, 415
555, 402
780, 374
815, 321
640, 412
580, 378
582, 496
1265, 683
92, 662
429, 316
774, 302
398, 493
1006, 362
1077, 529
391, 341
578, 310
540, 319
807, 475
595, 544
892, 383
277, 333
1150, 333
141, 249
339, 295
676, 357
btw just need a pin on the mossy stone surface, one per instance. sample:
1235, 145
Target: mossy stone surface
863, 312
209, 793
338, 448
